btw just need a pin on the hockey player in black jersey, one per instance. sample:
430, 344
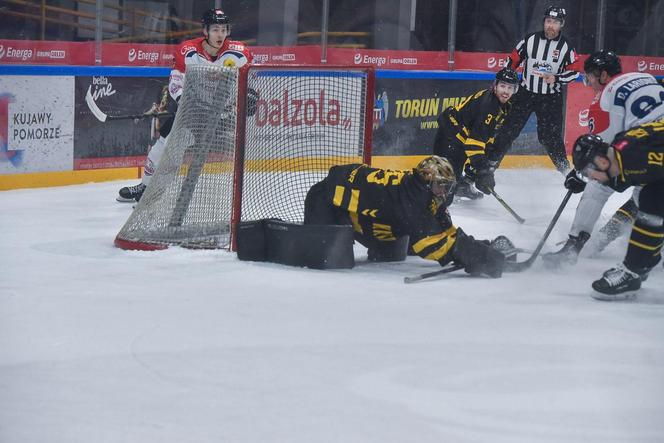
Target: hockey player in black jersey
635, 157
465, 130
384, 206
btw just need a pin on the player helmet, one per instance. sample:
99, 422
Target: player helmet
215, 17
438, 174
507, 75
602, 60
556, 12
585, 149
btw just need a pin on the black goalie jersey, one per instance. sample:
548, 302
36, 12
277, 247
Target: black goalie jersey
383, 205
640, 155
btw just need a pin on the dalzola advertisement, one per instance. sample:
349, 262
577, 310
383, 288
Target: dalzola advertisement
114, 127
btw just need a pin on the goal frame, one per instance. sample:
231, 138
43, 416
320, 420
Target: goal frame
361, 146
240, 143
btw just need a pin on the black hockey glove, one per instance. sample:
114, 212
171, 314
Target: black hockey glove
477, 257
485, 181
574, 183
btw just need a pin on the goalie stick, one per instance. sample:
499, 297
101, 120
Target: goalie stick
103, 117
506, 206
522, 266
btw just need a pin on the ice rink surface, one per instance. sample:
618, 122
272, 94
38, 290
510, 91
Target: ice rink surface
103, 345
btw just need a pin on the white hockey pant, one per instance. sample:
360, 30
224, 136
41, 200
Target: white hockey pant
152, 161
590, 206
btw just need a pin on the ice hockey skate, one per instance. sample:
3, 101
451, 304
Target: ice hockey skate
569, 253
617, 283
131, 194
466, 189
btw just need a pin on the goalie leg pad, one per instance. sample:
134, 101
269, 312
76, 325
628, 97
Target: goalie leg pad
313, 246
250, 240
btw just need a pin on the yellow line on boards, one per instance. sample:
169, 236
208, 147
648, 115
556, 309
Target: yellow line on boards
404, 162
63, 178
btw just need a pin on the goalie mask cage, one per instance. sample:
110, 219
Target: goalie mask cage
221, 166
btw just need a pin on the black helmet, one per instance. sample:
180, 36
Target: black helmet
555, 12
602, 60
586, 148
507, 75
215, 17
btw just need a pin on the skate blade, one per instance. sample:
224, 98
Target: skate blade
624, 296
125, 200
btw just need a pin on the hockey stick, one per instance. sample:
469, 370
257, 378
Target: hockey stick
521, 266
102, 117
445, 270
455, 267
506, 206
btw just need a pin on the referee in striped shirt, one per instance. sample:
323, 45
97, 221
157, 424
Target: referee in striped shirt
549, 61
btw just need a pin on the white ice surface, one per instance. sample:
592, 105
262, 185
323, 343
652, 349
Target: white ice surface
103, 345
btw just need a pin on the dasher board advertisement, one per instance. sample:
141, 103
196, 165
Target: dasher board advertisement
36, 124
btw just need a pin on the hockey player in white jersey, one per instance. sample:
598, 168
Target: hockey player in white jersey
214, 47
622, 101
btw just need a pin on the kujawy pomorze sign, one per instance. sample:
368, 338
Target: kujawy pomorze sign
406, 112
114, 143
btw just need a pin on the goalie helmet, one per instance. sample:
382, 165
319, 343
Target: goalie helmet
438, 174
215, 17
555, 12
585, 149
602, 60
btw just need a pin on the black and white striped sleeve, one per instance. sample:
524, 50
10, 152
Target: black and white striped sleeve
569, 68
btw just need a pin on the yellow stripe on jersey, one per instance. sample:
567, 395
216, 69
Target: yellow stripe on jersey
439, 253
352, 208
354, 197
620, 165
338, 195
473, 142
472, 153
383, 232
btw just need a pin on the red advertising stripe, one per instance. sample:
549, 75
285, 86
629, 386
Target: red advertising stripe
137, 54
28, 52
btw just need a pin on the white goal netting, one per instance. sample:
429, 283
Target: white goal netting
305, 121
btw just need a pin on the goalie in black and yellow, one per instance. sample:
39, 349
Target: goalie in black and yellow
384, 206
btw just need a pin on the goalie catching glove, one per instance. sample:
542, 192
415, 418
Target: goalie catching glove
480, 257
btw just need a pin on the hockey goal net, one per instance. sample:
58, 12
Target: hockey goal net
222, 166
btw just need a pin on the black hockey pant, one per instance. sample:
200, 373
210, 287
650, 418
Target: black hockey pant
319, 210
549, 111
